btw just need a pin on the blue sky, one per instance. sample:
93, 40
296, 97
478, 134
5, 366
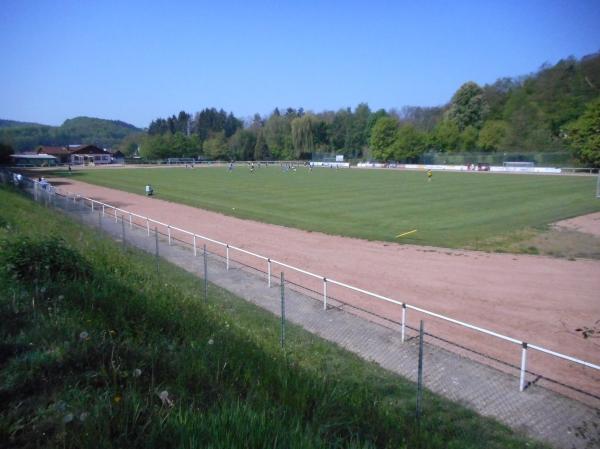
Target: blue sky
135, 61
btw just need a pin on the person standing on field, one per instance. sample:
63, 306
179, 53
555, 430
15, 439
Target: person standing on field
429, 175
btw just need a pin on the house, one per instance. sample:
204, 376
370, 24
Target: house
78, 154
61, 154
34, 160
89, 154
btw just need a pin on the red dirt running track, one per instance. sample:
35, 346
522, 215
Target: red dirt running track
537, 299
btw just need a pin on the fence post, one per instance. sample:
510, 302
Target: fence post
523, 366
324, 293
103, 210
148, 226
269, 272
195, 251
116, 218
282, 310
156, 250
420, 374
169, 232
92, 201
205, 276
403, 321
130, 222
123, 229
227, 256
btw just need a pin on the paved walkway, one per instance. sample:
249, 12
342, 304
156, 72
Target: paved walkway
537, 412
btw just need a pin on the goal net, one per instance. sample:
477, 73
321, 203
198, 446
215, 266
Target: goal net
180, 160
519, 164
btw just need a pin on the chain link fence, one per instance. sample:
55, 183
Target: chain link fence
548, 409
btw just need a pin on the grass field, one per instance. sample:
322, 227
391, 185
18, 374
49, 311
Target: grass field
456, 210
98, 351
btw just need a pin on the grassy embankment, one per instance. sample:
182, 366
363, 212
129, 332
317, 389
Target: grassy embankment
98, 351
456, 210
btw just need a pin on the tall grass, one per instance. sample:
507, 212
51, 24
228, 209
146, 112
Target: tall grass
120, 357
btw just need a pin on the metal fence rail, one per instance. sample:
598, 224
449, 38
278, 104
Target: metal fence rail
523, 346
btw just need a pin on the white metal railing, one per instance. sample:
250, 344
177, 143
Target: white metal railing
524, 345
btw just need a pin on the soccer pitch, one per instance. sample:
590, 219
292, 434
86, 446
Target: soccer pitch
454, 210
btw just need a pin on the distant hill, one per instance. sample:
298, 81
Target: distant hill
79, 130
15, 124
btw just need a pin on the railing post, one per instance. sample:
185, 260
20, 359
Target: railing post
116, 218
403, 320
324, 293
130, 222
195, 250
169, 232
282, 310
269, 272
148, 226
523, 366
92, 201
123, 228
205, 276
420, 374
103, 210
156, 249
227, 256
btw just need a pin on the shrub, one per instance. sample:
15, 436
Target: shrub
48, 259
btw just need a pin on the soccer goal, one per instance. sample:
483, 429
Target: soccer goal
520, 164
180, 160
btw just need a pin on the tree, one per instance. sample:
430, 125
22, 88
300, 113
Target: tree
409, 143
241, 145
373, 119
302, 135
154, 147
422, 118
492, 135
446, 136
583, 135
468, 138
277, 134
215, 147
338, 129
383, 137
468, 106
261, 150
357, 133
129, 145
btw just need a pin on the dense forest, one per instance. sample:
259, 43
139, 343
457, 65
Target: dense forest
80, 130
555, 109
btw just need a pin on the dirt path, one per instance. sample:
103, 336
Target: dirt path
536, 299
588, 224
